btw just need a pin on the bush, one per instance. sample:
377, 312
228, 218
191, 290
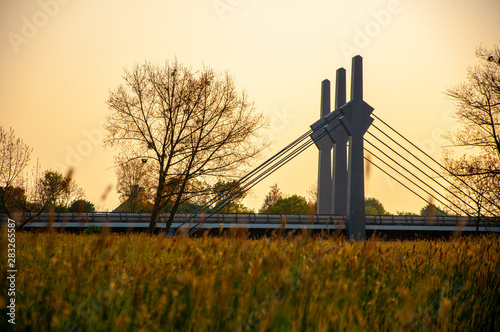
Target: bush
93, 230
81, 206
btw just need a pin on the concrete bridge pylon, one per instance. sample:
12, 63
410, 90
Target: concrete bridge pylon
341, 187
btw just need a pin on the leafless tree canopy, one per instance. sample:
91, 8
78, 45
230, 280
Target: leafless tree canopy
135, 184
477, 174
189, 125
14, 157
478, 104
477, 193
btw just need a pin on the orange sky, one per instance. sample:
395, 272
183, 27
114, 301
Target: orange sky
59, 59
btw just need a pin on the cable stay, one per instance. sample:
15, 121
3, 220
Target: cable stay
441, 176
440, 165
412, 164
304, 141
262, 171
238, 192
401, 183
417, 185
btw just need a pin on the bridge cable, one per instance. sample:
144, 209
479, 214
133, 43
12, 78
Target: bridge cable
432, 169
401, 183
395, 170
438, 163
268, 172
404, 168
441, 185
267, 162
267, 167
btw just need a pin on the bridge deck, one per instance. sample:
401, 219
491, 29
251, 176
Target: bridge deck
265, 221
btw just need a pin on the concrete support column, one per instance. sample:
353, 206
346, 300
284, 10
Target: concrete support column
324, 198
339, 137
356, 120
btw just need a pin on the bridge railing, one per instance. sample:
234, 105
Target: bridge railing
264, 219
251, 218
431, 221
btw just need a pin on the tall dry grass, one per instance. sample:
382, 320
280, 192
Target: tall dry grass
109, 282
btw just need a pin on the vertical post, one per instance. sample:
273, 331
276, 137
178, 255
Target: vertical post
339, 138
356, 120
324, 203
356, 179
340, 88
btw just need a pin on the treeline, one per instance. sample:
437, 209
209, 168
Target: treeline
52, 192
180, 152
25, 194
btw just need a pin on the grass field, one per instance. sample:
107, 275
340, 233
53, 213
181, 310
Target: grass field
70, 282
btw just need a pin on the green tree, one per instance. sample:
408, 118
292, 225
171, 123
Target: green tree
374, 207
406, 213
52, 187
431, 210
81, 206
232, 192
57, 191
271, 198
291, 205
14, 200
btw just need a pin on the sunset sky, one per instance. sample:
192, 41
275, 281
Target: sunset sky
60, 59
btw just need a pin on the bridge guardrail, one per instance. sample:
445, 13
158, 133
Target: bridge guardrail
271, 219
108, 217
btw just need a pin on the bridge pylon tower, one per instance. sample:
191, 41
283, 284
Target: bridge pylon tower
355, 119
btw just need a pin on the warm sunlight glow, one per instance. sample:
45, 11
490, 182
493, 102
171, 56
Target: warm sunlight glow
59, 60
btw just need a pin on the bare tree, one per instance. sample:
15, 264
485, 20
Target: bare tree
271, 198
189, 125
477, 173
25, 197
14, 158
134, 184
478, 107
480, 194
312, 194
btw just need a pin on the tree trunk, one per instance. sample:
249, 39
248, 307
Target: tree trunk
172, 214
3, 197
478, 218
176, 204
154, 217
157, 205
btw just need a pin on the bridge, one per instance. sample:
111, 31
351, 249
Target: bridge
391, 225
340, 138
